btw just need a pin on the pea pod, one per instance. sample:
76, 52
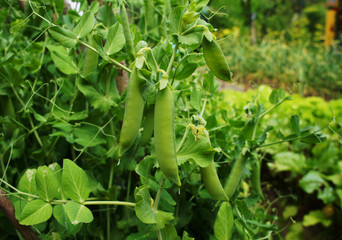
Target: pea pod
90, 62
215, 60
127, 32
148, 126
164, 135
256, 185
212, 183
133, 113
235, 175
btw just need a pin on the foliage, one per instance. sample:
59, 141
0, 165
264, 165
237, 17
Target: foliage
300, 68
61, 116
316, 170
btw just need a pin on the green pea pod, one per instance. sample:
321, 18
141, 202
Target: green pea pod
215, 60
256, 185
90, 62
235, 175
148, 126
164, 135
127, 32
212, 182
133, 113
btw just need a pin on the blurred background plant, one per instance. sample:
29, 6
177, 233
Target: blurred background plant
280, 43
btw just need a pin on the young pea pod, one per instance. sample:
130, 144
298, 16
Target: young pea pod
164, 135
90, 62
215, 60
235, 175
148, 126
127, 32
256, 185
133, 113
212, 183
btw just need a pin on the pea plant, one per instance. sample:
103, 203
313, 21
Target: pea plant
85, 156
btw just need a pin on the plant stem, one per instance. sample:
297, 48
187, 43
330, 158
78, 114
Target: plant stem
172, 60
156, 201
183, 139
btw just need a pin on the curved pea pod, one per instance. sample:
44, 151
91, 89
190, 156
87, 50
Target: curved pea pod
148, 126
164, 135
133, 113
235, 175
215, 60
127, 32
212, 182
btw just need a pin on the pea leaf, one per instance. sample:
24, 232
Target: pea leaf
106, 16
311, 181
64, 62
198, 149
223, 227
169, 232
78, 213
63, 36
36, 211
47, 183
115, 39
146, 213
175, 20
85, 26
62, 218
27, 182
314, 138
295, 124
74, 182
98, 100
315, 217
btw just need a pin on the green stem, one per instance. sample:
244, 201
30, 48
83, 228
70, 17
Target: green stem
156, 201
219, 127
121, 203
183, 139
172, 60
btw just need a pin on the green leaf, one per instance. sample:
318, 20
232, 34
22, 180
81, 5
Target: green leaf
78, 213
75, 182
175, 20
295, 124
27, 182
223, 227
106, 16
115, 39
314, 138
47, 183
339, 194
289, 161
190, 39
101, 101
85, 135
146, 213
311, 181
274, 97
85, 26
94, 7
63, 36
186, 236
62, 218
195, 98
144, 168
36, 211
64, 62
97, 42
198, 149
315, 217
169, 233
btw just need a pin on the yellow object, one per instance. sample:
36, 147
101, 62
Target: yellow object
330, 25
